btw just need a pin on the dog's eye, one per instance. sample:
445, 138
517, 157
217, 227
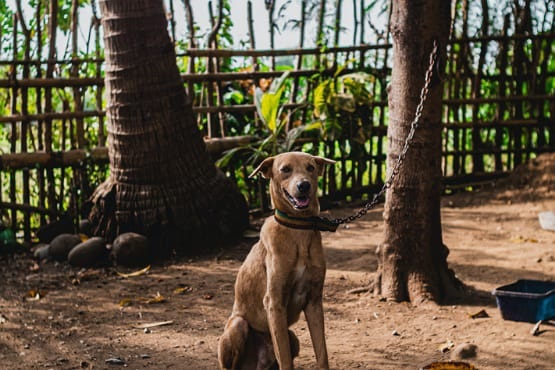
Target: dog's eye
285, 169
310, 168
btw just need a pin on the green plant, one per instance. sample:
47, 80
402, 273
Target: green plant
275, 136
338, 100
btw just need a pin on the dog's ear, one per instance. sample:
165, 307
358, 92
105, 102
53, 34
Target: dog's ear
322, 162
265, 168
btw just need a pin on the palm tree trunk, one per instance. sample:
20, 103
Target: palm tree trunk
413, 259
162, 182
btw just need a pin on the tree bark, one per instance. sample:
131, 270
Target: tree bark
413, 259
162, 182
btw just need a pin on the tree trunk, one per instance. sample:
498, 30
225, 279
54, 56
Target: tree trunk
162, 182
413, 259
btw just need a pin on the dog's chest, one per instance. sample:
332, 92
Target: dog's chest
300, 286
302, 279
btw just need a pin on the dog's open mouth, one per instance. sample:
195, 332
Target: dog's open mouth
298, 202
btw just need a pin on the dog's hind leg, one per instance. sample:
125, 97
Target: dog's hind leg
232, 343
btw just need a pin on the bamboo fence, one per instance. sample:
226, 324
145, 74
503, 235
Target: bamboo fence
498, 113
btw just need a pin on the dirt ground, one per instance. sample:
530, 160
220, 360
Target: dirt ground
53, 316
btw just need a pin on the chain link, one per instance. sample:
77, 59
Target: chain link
413, 126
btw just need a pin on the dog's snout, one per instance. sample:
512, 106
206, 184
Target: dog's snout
303, 187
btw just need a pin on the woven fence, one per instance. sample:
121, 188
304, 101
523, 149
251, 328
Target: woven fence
499, 111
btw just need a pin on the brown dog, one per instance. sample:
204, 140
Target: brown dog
282, 275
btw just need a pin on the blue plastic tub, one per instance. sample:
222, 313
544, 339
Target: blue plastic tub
526, 300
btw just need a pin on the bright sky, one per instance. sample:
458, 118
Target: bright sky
283, 38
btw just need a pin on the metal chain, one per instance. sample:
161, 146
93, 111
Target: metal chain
413, 126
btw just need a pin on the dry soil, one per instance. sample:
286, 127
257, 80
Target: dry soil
53, 316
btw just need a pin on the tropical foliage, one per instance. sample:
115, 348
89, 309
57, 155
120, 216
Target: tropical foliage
339, 111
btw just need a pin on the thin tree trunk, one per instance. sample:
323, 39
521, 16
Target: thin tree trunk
412, 258
162, 182
477, 141
270, 7
192, 44
320, 35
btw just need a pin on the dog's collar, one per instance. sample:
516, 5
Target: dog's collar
305, 223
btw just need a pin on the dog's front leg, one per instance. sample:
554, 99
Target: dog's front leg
314, 314
276, 310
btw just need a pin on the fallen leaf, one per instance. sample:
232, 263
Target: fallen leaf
35, 294
153, 324
182, 290
479, 315
207, 296
125, 302
522, 239
158, 298
134, 273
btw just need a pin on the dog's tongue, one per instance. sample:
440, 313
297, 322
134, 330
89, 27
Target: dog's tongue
302, 202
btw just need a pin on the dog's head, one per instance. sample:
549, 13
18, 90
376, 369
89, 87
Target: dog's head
294, 181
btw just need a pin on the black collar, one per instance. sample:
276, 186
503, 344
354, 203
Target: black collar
305, 223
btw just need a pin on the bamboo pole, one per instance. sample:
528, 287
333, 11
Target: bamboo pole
25, 123
74, 73
244, 108
79, 180
337, 29
547, 57
255, 65
299, 63
320, 36
455, 87
229, 53
250, 20
171, 19
216, 61
250, 107
14, 131
192, 45
27, 208
38, 108
503, 82
518, 67
98, 75
75, 157
464, 65
212, 90
356, 23
52, 30
380, 159
362, 30
196, 78
476, 83
270, 7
